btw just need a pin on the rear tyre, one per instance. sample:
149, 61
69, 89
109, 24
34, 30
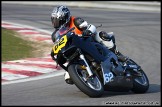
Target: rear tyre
140, 83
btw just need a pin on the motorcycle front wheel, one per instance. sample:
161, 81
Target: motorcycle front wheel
91, 86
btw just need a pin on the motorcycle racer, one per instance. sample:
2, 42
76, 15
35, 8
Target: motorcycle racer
61, 16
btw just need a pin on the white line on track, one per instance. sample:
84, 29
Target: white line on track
27, 26
27, 68
11, 76
50, 75
34, 62
28, 31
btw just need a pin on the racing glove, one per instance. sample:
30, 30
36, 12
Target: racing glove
86, 33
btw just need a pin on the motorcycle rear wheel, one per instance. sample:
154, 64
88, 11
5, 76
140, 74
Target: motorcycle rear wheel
140, 83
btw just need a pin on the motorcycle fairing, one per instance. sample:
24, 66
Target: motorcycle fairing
115, 79
102, 55
88, 46
107, 74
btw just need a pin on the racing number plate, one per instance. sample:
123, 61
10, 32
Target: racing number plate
60, 44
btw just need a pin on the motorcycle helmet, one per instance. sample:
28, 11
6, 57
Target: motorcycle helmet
60, 16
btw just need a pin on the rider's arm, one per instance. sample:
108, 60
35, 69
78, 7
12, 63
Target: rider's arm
53, 35
82, 25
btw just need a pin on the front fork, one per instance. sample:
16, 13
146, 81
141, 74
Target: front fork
87, 66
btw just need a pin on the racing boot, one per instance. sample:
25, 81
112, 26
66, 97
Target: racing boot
120, 56
66, 75
68, 79
110, 38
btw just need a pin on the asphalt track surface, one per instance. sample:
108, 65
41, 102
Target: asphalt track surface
138, 36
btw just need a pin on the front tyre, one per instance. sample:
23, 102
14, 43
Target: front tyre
91, 86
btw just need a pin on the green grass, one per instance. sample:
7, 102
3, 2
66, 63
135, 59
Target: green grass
13, 47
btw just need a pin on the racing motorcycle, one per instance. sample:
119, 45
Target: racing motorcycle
95, 69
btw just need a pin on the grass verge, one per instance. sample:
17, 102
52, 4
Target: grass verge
14, 48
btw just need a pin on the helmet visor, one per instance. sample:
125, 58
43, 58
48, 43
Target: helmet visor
56, 22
